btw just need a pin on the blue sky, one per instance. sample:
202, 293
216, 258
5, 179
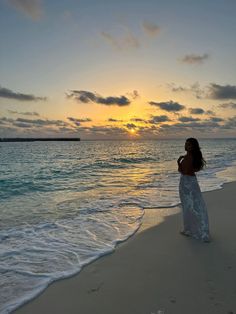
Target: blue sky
104, 69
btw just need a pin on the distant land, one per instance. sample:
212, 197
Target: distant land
34, 139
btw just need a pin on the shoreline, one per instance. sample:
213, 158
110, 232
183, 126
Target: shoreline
149, 257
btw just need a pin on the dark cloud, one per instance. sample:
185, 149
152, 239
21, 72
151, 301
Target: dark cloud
158, 119
148, 132
86, 96
193, 125
105, 132
194, 58
114, 120
196, 111
31, 8
7, 93
196, 129
205, 124
77, 121
230, 105
22, 125
168, 106
212, 91
41, 122
200, 111
130, 125
151, 29
83, 96
120, 101
216, 91
65, 129
139, 120
32, 127
188, 119
216, 119
27, 113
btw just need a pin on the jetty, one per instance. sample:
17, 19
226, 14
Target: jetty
39, 139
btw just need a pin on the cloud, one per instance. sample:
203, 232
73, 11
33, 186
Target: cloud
46, 127
230, 123
104, 132
27, 113
86, 96
158, 119
196, 111
230, 105
33, 127
114, 120
216, 91
7, 131
200, 111
212, 91
22, 125
210, 112
134, 94
7, 93
130, 125
82, 96
4, 120
139, 120
188, 119
128, 41
194, 58
216, 119
168, 106
31, 8
178, 88
77, 122
41, 122
151, 29
193, 125
66, 130
194, 88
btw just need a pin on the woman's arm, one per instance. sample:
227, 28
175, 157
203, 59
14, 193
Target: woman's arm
180, 159
186, 166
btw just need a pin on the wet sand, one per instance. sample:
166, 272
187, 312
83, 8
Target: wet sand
157, 271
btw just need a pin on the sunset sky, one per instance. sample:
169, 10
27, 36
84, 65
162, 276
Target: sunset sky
126, 69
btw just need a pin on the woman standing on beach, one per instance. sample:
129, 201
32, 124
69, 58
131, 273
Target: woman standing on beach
195, 216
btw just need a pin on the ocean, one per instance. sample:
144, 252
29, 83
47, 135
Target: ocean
65, 204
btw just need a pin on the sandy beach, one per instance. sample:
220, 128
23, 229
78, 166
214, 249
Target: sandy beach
157, 271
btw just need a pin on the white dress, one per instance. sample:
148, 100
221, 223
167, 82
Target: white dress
195, 216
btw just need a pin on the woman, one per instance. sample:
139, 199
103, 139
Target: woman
195, 217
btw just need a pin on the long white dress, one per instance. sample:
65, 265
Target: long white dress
195, 216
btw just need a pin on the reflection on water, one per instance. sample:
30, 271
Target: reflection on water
64, 204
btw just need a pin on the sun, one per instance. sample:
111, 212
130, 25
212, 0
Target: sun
132, 131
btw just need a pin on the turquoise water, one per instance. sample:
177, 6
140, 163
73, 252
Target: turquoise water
64, 204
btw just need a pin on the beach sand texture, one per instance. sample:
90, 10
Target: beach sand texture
157, 271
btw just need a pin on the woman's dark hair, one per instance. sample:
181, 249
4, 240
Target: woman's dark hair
198, 160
